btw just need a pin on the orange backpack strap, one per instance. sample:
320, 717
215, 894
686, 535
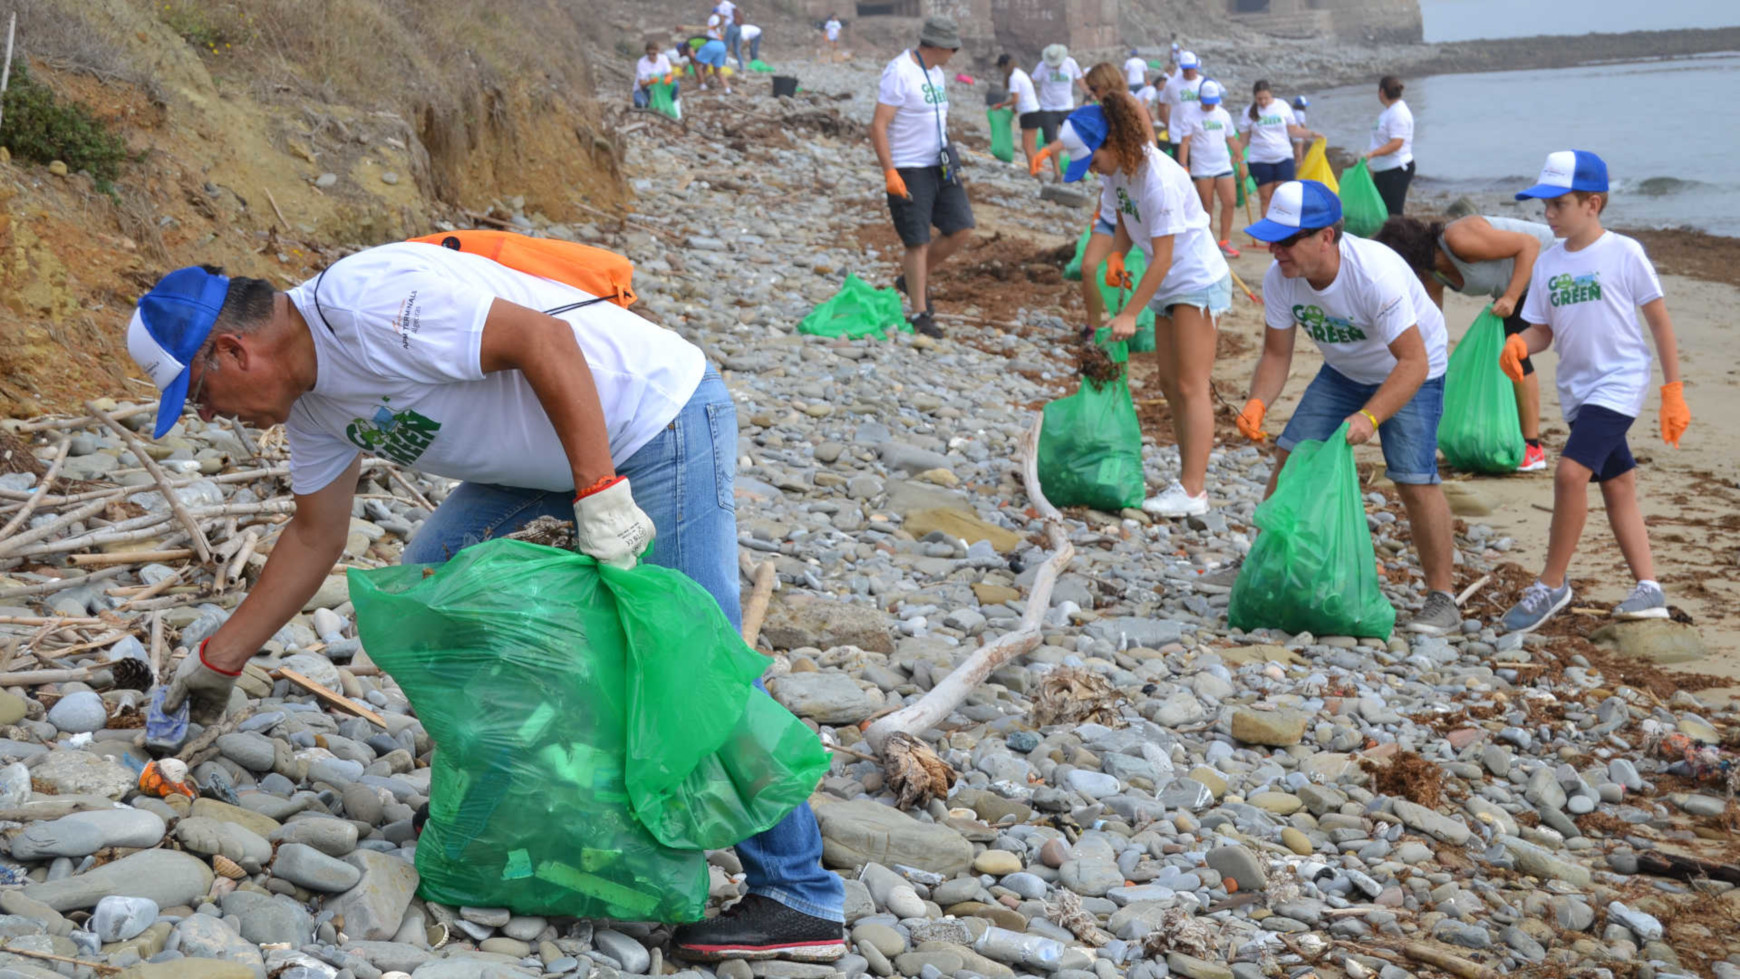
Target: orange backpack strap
602, 273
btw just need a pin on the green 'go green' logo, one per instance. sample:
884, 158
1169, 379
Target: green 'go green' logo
1325, 328
934, 95
401, 436
1567, 289
1128, 206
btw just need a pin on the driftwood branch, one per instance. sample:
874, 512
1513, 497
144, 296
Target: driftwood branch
756, 611
35, 500
201, 546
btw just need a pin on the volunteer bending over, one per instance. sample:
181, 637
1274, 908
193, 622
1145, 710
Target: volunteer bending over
442, 361
1384, 353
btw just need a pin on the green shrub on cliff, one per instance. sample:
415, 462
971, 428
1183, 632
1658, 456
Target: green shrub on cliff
40, 126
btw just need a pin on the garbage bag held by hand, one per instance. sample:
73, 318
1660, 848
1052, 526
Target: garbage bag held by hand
1315, 166
1090, 445
859, 309
1312, 567
659, 99
1480, 431
564, 780
1361, 205
1115, 299
1002, 138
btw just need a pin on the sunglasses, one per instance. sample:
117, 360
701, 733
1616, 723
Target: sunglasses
1295, 238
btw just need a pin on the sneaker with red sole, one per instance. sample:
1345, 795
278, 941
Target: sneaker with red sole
761, 928
1534, 459
1227, 249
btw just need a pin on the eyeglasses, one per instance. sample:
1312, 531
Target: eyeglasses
207, 358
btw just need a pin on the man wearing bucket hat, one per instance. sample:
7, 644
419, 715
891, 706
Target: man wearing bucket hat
910, 133
1057, 77
441, 360
1384, 353
1179, 98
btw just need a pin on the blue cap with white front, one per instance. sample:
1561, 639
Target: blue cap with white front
1188, 59
1568, 170
1082, 133
1297, 205
169, 326
1210, 92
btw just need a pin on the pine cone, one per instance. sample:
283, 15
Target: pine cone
131, 674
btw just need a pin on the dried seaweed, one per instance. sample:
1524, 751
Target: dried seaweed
1073, 696
1409, 776
1096, 365
914, 771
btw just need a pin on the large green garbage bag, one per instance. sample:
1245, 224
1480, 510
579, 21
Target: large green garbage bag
1312, 567
595, 730
1362, 207
1115, 299
1480, 431
761, 66
1002, 138
659, 99
859, 309
1072, 271
1090, 445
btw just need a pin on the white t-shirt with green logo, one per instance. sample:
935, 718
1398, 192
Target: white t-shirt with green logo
1160, 200
398, 334
1182, 95
1269, 140
1374, 299
1590, 299
1021, 86
1057, 85
1208, 130
921, 102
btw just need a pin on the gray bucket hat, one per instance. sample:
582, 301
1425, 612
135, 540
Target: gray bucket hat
1054, 54
940, 32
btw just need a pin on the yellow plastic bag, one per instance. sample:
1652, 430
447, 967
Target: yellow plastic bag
1316, 166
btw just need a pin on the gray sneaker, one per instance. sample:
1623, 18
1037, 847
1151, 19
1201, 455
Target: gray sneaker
1645, 602
1218, 582
1438, 617
1537, 606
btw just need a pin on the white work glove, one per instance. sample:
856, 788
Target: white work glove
206, 686
609, 526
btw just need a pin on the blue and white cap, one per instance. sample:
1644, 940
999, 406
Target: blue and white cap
169, 326
1568, 170
1188, 59
1210, 92
1082, 133
1297, 205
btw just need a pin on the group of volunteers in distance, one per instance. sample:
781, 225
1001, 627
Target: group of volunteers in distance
1373, 307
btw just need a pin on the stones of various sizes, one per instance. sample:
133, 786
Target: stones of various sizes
12, 707
389, 956
269, 918
117, 919
79, 713
997, 863
204, 936
825, 623
168, 877
1090, 877
885, 939
373, 908
192, 969
81, 773
1195, 968
258, 823
631, 954
824, 697
961, 524
1431, 822
249, 749
1656, 640
1541, 862
1646, 927
1295, 840
307, 867
333, 837
863, 831
211, 837
84, 833
1239, 863
1275, 728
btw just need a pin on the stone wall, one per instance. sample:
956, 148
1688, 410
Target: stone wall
1366, 20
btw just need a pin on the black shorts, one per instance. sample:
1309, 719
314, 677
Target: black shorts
1034, 120
1598, 442
1050, 120
933, 203
1514, 324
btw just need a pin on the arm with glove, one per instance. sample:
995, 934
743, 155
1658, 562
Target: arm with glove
1538, 337
1675, 416
891, 179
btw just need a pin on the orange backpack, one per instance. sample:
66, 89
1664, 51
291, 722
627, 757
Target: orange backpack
602, 273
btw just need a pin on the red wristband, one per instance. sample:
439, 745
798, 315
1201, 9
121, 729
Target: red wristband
598, 487
207, 662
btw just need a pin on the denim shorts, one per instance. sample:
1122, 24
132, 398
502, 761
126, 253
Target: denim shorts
1212, 176
1104, 227
1598, 442
1214, 300
1409, 438
1271, 173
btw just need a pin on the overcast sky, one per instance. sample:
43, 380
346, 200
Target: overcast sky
1457, 20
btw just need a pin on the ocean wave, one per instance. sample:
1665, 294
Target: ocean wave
1659, 186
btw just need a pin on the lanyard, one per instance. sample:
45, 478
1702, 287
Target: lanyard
941, 131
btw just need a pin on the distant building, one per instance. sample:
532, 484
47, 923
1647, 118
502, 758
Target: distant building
1364, 20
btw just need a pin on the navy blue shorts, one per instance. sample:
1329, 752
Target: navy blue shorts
1598, 442
1271, 173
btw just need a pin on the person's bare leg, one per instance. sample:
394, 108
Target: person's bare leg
1099, 247
1030, 144
1570, 510
942, 248
1191, 337
916, 267
1275, 473
1433, 530
1528, 406
1264, 192
1205, 194
1626, 519
1224, 186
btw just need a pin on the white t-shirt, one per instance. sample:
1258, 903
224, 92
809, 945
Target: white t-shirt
651, 69
1160, 200
1299, 117
1057, 85
398, 334
675, 56
1136, 71
921, 101
1590, 299
832, 29
1181, 94
1208, 131
1374, 299
725, 8
1021, 86
1397, 120
1149, 96
751, 32
1269, 140
716, 26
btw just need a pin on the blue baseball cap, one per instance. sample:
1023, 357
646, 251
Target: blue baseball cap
169, 326
1297, 205
1568, 170
1082, 133
1210, 92
1188, 59
1301, 102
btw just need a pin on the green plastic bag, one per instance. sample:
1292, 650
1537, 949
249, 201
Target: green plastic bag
1115, 299
1090, 445
659, 99
596, 730
1247, 188
1312, 567
1072, 271
1002, 138
1361, 205
859, 309
1480, 431
761, 66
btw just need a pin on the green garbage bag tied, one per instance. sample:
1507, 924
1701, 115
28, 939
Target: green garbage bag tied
1090, 445
761, 66
659, 99
859, 309
1362, 207
596, 730
1312, 567
1480, 431
1002, 135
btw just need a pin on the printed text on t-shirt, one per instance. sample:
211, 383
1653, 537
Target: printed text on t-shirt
1126, 205
1325, 328
1568, 289
401, 436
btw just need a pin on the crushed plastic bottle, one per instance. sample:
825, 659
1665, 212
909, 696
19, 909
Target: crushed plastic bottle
165, 732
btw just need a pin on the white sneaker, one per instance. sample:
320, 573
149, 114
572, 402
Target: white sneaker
1175, 502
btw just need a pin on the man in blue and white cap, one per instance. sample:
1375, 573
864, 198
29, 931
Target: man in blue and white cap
1384, 353
1178, 99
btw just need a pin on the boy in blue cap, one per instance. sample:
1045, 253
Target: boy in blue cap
1384, 354
1589, 287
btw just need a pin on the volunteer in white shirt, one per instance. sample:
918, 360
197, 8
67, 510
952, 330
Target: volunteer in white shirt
1384, 354
1057, 77
909, 132
716, 23
1300, 143
1178, 98
1136, 71
651, 68
831, 34
1186, 282
1025, 101
441, 360
1391, 156
733, 31
1268, 127
1208, 150
752, 37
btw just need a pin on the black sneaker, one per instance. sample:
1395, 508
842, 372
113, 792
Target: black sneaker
922, 323
900, 283
761, 928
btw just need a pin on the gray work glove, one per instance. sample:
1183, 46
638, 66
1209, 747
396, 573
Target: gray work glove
609, 526
207, 688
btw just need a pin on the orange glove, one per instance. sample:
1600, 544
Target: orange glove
1250, 421
670, 76
1515, 349
896, 186
1039, 159
1117, 276
1675, 416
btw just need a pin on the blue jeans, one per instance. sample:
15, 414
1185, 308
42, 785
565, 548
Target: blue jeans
685, 480
734, 43
1409, 437
754, 48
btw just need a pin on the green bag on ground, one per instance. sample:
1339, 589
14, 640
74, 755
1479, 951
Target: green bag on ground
1002, 136
1312, 567
859, 309
659, 99
1090, 445
1480, 431
596, 730
1072, 271
761, 66
1362, 207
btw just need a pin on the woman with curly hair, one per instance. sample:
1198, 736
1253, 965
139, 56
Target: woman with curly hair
1107, 77
1152, 204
